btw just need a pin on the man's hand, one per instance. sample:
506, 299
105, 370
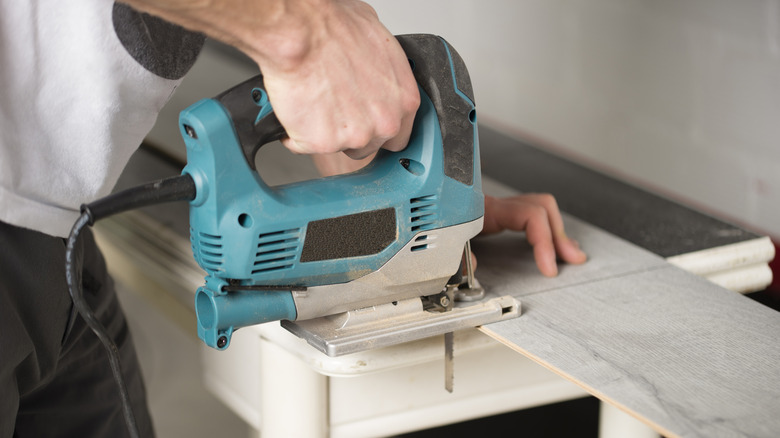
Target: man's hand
337, 78
350, 88
538, 215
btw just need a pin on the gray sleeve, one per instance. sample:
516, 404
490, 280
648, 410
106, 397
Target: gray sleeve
163, 48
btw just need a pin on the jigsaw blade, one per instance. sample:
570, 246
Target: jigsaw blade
449, 361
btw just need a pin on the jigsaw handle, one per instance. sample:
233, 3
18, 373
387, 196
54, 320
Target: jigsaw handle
443, 76
256, 124
253, 117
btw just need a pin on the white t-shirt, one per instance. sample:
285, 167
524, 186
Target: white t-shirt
81, 83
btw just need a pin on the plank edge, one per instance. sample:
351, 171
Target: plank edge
662, 431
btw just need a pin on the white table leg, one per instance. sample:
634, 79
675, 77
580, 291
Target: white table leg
614, 423
294, 397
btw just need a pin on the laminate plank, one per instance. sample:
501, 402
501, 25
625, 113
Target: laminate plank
687, 357
505, 260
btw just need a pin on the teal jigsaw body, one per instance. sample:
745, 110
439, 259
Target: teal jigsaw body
260, 244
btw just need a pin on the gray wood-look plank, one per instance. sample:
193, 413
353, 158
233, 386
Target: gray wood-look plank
505, 260
685, 356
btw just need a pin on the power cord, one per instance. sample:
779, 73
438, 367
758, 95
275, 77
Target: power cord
178, 188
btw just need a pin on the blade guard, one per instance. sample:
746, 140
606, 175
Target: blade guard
329, 230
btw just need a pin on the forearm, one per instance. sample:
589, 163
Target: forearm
278, 33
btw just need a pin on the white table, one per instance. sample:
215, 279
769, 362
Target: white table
282, 387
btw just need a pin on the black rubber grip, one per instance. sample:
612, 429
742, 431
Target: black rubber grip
430, 58
440, 79
241, 103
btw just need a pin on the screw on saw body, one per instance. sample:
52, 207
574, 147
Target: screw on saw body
441, 302
190, 131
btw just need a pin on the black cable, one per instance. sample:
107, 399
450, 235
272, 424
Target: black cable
77, 296
179, 188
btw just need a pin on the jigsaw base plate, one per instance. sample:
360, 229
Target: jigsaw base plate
397, 322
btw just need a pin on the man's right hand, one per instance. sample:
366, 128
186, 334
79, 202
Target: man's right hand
337, 78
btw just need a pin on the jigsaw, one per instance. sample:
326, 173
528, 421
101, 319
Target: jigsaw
349, 262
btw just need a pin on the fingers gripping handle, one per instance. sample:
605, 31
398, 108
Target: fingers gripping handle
439, 70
